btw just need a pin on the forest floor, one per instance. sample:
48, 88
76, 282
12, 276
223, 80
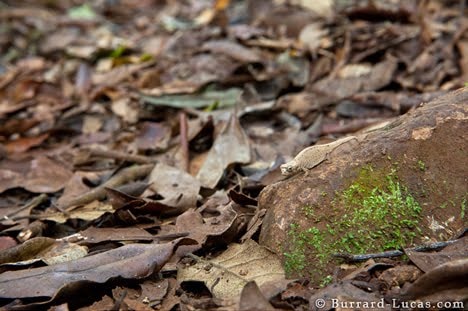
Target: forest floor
136, 138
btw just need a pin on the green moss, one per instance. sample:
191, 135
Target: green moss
375, 213
463, 209
308, 211
421, 165
326, 280
295, 260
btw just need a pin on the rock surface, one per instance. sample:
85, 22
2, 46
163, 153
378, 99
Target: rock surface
423, 155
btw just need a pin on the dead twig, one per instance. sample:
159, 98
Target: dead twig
128, 174
31, 204
118, 302
395, 253
97, 152
184, 141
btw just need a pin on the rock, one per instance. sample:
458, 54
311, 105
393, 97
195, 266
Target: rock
401, 185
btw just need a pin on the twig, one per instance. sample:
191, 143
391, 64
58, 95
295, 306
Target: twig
97, 152
395, 253
98, 193
34, 217
76, 237
118, 302
184, 141
171, 236
342, 55
31, 204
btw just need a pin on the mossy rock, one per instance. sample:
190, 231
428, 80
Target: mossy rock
398, 186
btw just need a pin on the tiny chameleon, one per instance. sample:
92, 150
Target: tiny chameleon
312, 156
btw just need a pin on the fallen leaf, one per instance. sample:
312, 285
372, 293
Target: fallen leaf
232, 49
89, 211
357, 79
132, 261
39, 175
227, 274
201, 228
251, 298
6, 242
446, 282
344, 291
231, 146
178, 188
123, 108
154, 290
25, 143
427, 261
311, 36
399, 275
98, 235
153, 136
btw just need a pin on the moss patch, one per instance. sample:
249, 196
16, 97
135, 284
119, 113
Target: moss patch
374, 213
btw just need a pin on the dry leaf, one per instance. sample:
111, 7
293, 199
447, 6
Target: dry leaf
231, 146
129, 261
227, 274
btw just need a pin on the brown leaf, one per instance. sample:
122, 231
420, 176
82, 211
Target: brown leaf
153, 136
199, 228
74, 187
356, 78
46, 176
199, 70
25, 143
129, 261
251, 298
446, 282
399, 275
119, 199
227, 274
429, 260
98, 235
16, 126
9, 179
154, 290
231, 146
343, 292
178, 188
312, 36
6, 242
89, 211
232, 49
39, 175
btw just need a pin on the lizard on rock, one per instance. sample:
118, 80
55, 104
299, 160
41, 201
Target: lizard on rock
312, 156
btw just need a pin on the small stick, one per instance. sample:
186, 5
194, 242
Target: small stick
98, 193
97, 152
395, 253
118, 302
184, 141
31, 204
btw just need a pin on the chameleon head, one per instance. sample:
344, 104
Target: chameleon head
288, 168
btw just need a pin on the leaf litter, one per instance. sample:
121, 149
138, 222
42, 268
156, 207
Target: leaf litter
140, 134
